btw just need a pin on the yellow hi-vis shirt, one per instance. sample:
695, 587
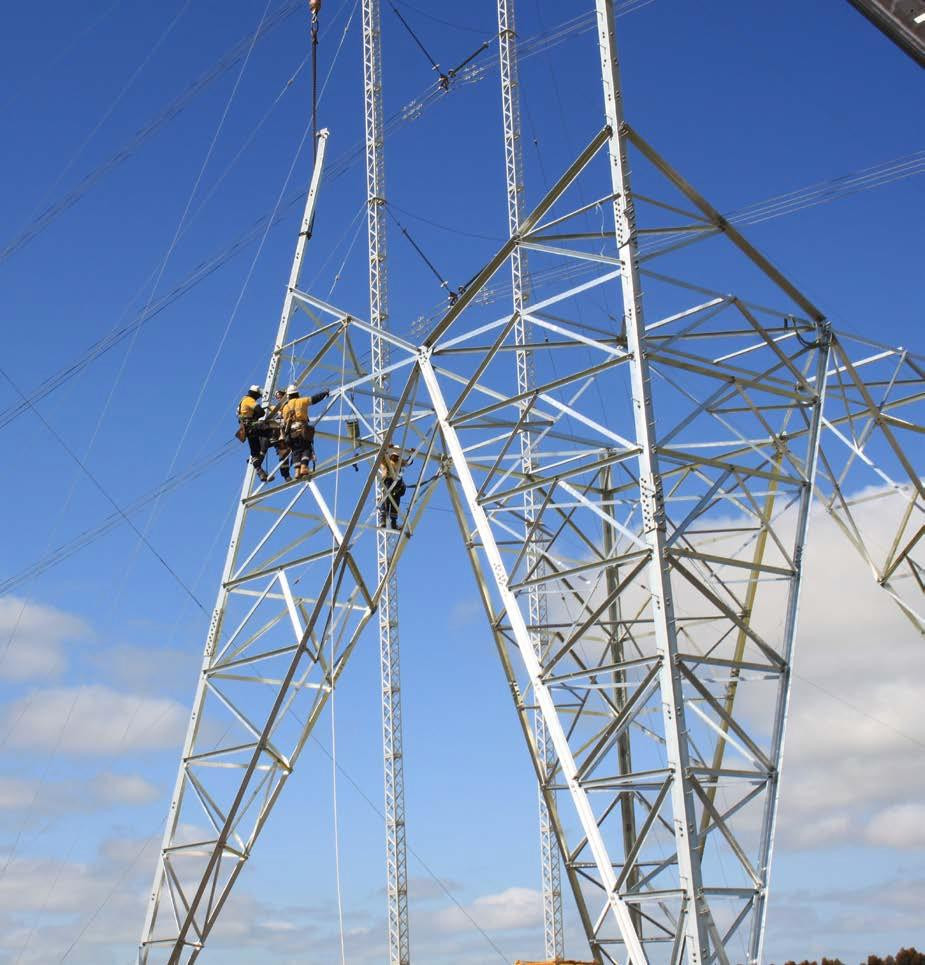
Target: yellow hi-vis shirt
246, 407
296, 410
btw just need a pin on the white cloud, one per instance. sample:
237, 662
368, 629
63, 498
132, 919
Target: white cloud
45, 904
93, 719
124, 788
104, 790
849, 755
900, 826
147, 670
846, 923
506, 910
33, 638
16, 793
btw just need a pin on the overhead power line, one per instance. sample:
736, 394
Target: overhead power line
102, 490
885, 173
866, 179
175, 107
109, 523
61, 52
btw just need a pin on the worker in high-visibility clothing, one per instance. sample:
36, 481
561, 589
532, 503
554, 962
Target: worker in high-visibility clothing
298, 431
251, 430
393, 485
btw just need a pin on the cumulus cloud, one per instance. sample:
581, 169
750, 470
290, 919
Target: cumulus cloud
856, 729
843, 922
509, 909
855, 740
124, 788
147, 670
104, 790
93, 719
900, 826
48, 904
34, 638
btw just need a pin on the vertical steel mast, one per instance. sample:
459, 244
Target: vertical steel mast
513, 170
394, 781
652, 503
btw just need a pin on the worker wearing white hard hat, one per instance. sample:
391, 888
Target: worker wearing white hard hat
250, 430
298, 430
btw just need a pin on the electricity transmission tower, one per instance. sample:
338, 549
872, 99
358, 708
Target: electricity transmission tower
635, 455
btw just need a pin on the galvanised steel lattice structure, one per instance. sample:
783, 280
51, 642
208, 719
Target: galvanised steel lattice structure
687, 415
554, 938
389, 650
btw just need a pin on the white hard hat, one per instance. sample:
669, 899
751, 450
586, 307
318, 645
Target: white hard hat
292, 390
255, 388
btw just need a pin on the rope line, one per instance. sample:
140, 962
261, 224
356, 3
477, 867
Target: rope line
427, 868
444, 77
90, 535
863, 713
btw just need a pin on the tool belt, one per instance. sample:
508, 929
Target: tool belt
301, 432
244, 427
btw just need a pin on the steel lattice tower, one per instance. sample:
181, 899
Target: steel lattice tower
635, 490
389, 651
513, 169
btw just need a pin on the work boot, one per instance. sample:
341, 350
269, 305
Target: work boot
285, 474
262, 474
382, 522
394, 521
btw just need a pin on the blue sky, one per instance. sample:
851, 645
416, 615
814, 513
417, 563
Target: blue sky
747, 100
